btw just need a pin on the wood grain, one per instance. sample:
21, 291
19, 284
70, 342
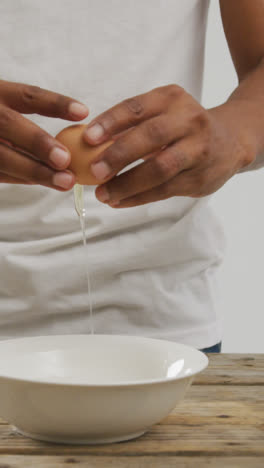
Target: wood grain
14, 461
168, 440
220, 423
233, 369
209, 420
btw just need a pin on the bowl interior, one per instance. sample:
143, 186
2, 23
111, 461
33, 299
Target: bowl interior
97, 359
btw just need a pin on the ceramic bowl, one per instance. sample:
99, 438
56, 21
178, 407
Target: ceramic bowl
92, 389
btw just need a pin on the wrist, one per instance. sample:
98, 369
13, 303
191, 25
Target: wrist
233, 117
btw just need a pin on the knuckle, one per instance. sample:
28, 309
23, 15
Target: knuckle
248, 155
161, 168
182, 160
7, 117
156, 131
204, 152
201, 120
30, 94
178, 159
134, 106
174, 90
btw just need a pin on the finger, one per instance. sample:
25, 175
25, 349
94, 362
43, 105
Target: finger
154, 153
148, 156
181, 185
21, 167
28, 99
6, 179
149, 136
28, 137
126, 114
118, 135
154, 172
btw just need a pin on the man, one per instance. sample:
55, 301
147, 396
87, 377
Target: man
153, 243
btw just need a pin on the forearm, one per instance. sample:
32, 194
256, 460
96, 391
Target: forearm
243, 23
247, 102
244, 113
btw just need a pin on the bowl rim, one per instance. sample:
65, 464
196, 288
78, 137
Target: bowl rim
126, 384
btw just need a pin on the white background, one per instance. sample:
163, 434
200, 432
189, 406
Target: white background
240, 206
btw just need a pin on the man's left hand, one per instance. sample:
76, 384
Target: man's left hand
186, 149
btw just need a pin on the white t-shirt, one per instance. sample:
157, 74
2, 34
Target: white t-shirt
152, 267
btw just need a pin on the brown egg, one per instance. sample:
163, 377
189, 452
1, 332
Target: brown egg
82, 154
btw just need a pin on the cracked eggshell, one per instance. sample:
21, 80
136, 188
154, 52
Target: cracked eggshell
82, 154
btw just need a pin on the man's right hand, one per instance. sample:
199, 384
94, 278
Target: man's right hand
28, 154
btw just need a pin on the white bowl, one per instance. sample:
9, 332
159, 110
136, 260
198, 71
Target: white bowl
92, 389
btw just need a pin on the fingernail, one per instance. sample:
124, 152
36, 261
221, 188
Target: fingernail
78, 110
102, 194
101, 170
59, 157
95, 132
63, 179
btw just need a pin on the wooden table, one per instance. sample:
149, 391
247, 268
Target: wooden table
219, 424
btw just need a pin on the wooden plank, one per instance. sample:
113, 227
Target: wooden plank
233, 369
224, 359
213, 439
216, 393
214, 404
20, 461
231, 413
211, 420
221, 393
217, 404
220, 421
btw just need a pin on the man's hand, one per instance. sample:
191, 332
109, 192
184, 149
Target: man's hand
28, 154
188, 150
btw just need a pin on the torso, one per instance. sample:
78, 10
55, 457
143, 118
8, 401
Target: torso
149, 265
